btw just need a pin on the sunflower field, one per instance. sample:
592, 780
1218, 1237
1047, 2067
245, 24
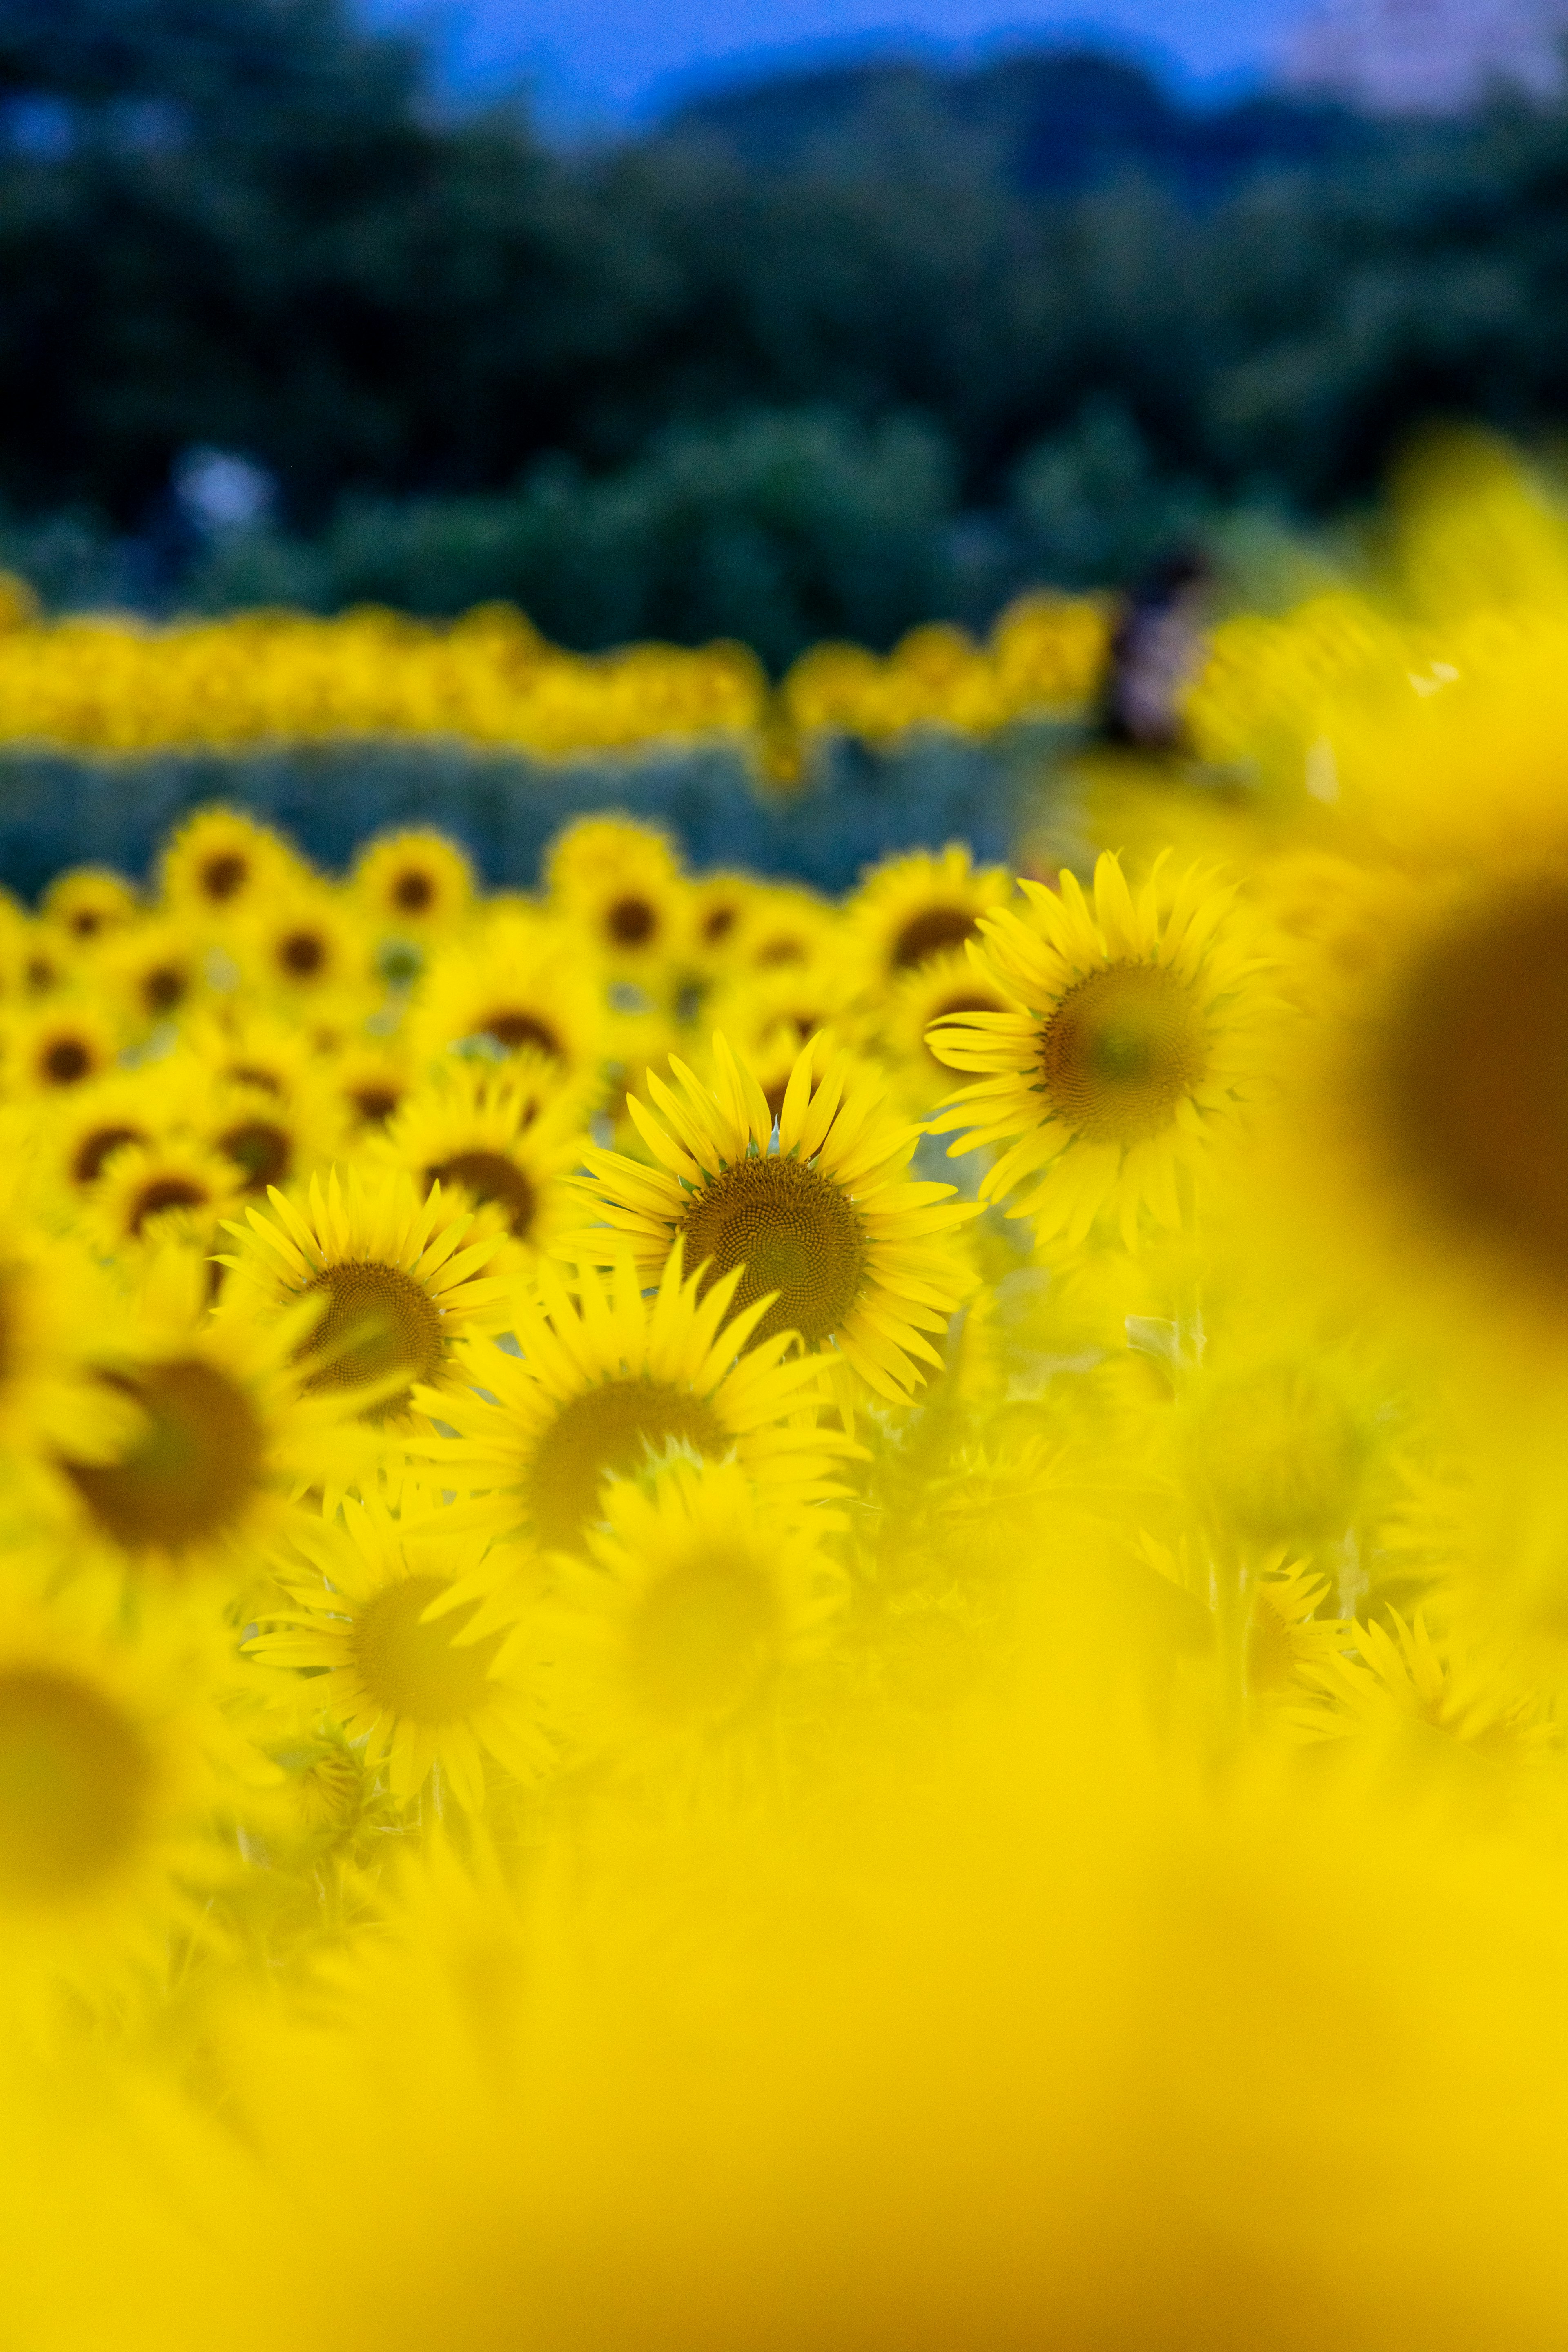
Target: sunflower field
735, 1619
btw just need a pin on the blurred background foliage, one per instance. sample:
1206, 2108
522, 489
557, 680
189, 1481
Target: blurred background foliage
851, 349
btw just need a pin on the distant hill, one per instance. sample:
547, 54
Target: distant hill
1058, 122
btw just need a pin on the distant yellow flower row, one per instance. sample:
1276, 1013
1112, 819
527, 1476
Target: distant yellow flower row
111, 684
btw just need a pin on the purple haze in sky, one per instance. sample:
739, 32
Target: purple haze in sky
605, 61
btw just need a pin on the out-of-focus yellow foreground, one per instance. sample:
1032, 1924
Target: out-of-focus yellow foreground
637, 1711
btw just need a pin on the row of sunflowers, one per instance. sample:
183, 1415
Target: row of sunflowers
737, 1621
103, 683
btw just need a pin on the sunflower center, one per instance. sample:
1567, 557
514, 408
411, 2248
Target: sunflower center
1472, 1077
94, 1150
491, 1176
222, 875
378, 1322
929, 933
375, 1105
191, 1472
303, 953
512, 1027
416, 1671
1121, 1050
631, 922
792, 1231
607, 1433
702, 1638
413, 891
718, 922
261, 1149
163, 987
74, 1779
165, 1192
66, 1063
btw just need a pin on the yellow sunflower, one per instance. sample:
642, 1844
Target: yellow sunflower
369, 1082
245, 1046
413, 883
401, 1658
696, 1603
222, 863
66, 1042
942, 988
398, 1280
92, 1123
1125, 1055
619, 885
110, 1766
147, 1190
818, 1211
607, 1379
518, 985
268, 1141
156, 971
719, 914
787, 924
913, 909
89, 902
305, 942
218, 1435
477, 1131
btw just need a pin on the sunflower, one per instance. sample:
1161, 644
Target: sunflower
248, 1048
219, 1433
91, 1123
518, 986
607, 1379
69, 1041
148, 1191
913, 909
620, 884
395, 1286
305, 942
852, 1256
1124, 1055
268, 1142
412, 884
502, 1145
110, 1765
222, 863
696, 1604
720, 910
53, 1302
369, 1082
401, 1659
89, 902
787, 924
942, 988
155, 970
1423, 1126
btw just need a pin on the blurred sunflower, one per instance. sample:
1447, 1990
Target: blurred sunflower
1127, 1053
412, 884
942, 988
820, 1216
89, 902
305, 942
607, 1379
269, 1142
63, 1044
519, 986
694, 1606
220, 1438
401, 1659
146, 1190
156, 970
369, 1083
110, 1767
221, 864
619, 885
913, 909
397, 1279
475, 1131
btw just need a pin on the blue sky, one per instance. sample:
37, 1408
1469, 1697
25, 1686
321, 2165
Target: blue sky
607, 61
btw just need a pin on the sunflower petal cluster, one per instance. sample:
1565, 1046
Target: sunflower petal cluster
735, 1619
